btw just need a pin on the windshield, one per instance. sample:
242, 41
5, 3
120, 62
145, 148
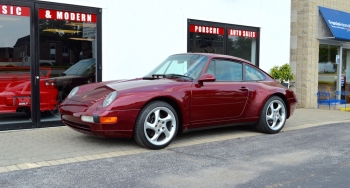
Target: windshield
187, 65
84, 67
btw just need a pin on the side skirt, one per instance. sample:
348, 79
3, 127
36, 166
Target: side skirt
218, 126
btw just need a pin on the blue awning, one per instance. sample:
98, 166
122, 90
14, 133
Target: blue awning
338, 22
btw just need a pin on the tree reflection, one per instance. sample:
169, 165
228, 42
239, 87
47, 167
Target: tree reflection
240, 47
64, 32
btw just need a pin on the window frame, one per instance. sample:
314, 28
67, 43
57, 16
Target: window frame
245, 70
226, 27
229, 60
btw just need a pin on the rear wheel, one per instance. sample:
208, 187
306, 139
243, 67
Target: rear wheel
273, 116
156, 125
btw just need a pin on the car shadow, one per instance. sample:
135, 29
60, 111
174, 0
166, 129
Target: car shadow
104, 145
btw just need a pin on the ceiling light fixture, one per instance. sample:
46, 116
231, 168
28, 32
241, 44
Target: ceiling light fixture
61, 31
85, 39
92, 25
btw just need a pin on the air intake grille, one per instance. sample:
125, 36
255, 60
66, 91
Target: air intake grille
78, 126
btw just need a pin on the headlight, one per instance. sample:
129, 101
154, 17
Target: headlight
73, 92
110, 98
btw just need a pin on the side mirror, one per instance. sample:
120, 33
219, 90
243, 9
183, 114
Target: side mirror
206, 77
62, 74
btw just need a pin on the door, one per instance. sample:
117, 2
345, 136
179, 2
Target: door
222, 100
16, 96
68, 55
345, 75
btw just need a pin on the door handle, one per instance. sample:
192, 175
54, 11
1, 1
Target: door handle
243, 89
36, 78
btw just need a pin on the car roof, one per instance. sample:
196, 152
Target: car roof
211, 55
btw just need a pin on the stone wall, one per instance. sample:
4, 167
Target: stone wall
305, 46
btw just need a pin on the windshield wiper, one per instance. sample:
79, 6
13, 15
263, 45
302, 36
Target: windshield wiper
177, 76
157, 76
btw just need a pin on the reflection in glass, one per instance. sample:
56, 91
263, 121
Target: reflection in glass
15, 85
345, 84
206, 43
185, 66
225, 70
242, 47
327, 68
68, 49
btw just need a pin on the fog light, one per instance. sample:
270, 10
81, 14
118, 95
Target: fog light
89, 119
98, 119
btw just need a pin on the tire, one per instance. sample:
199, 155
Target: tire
56, 111
156, 125
273, 116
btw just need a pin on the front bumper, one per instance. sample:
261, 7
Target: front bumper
123, 128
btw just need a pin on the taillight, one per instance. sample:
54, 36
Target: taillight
50, 84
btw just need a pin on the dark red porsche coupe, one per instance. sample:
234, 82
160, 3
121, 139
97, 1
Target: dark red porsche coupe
186, 92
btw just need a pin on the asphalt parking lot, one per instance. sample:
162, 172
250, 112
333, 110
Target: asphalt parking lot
35, 148
311, 157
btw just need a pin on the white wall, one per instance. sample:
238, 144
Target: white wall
138, 35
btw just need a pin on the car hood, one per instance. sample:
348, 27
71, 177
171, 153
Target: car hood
97, 91
142, 84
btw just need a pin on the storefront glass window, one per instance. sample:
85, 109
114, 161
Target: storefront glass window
206, 39
327, 68
68, 49
15, 84
344, 81
242, 43
219, 38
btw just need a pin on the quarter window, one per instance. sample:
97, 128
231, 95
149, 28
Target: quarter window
252, 74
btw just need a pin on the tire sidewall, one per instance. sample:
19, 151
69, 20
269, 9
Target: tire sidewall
139, 133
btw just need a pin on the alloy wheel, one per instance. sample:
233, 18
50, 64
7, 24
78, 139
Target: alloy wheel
275, 115
160, 126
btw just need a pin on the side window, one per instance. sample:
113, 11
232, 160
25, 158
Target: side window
225, 70
252, 74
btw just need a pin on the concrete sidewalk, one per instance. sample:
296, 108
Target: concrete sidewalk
34, 148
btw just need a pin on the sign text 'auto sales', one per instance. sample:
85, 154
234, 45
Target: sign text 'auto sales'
66, 15
242, 33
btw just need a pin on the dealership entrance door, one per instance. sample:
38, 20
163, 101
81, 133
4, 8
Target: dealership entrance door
67, 45
334, 69
16, 75
46, 49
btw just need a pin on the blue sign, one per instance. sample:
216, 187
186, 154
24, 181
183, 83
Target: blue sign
338, 22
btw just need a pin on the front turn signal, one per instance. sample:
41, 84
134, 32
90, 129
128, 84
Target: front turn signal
108, 119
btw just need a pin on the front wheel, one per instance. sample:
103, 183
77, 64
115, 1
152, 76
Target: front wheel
273, 116
156, 126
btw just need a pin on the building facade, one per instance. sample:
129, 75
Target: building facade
48, 47
319, 54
